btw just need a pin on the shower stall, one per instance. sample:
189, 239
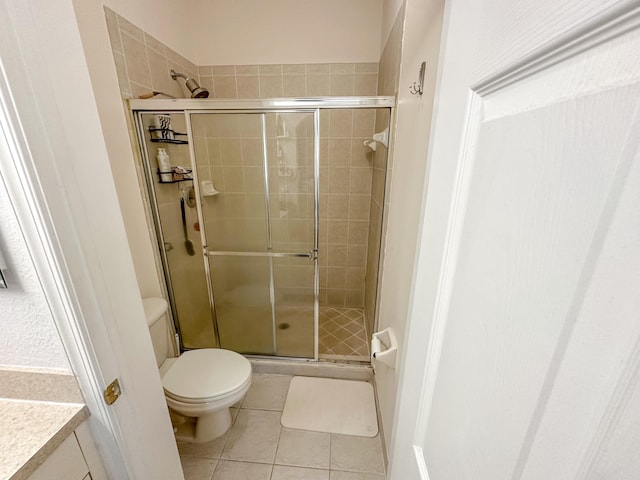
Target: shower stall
268, 216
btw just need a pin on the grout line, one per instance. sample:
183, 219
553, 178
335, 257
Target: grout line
330, 452
277, 446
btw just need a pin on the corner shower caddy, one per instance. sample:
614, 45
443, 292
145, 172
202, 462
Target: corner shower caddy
168, 136
165, 136
176, 176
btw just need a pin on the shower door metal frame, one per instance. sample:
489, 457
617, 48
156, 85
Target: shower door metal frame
312, 255
259, 106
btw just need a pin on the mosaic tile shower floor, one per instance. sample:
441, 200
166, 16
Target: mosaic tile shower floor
342, 334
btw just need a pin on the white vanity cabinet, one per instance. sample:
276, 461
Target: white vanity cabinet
65, 463
76, 458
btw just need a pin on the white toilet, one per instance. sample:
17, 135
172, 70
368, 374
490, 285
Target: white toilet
199, 385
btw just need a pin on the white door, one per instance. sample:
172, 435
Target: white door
523, 350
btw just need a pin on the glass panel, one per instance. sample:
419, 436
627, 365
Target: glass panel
241, 289
293, 280
185, 274
229, 158
290, 142
253, 300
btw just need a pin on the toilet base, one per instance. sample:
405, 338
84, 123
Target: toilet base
204, 428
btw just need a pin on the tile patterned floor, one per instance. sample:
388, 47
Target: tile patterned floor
257, 447
342, 334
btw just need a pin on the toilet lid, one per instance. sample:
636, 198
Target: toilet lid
206, 373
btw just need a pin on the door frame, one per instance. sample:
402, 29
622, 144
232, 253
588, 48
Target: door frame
188, 107
56, 169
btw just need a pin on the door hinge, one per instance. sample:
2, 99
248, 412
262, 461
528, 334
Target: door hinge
112, 392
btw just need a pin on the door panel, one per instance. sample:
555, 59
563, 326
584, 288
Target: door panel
535, 213
260, 228
229, 153
294, 306
291, 181
241, 287
534, 341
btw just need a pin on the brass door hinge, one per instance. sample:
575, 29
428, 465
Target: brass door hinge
112, 392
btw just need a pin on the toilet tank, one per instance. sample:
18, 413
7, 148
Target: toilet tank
155, 310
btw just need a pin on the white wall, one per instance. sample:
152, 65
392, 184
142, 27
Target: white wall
228, 32
413, 121
390, 9
114, 120
247, 32
29, 337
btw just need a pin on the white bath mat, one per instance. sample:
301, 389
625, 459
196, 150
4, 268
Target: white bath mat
333, 406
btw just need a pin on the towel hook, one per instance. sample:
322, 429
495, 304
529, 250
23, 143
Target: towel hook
417, 87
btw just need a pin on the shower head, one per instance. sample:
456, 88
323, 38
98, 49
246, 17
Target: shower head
196, 90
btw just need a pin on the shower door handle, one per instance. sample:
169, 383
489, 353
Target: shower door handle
312, 255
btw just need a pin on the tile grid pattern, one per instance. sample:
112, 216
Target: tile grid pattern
388, 78
143, 62
346, 170
290, 80
350, 211
346, 166
257, 447
342, 334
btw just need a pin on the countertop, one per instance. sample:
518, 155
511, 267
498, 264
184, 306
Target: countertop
31, 429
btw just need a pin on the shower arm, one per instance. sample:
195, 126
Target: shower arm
196, 90
175, 75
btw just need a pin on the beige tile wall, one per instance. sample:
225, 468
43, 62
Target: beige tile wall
346, 166
228, 152
346, 170
388, 75
298, 80
143, 63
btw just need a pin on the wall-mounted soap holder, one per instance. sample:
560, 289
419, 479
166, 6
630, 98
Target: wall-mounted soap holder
207, 189
382, 137
384, 348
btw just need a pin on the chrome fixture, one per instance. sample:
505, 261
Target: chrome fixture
418, 86
196, 90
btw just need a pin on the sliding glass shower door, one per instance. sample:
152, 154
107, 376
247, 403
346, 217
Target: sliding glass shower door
257, 180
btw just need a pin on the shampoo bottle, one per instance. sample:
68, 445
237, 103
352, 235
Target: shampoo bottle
164, 166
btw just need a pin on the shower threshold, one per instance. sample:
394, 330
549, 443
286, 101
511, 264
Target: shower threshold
327, 369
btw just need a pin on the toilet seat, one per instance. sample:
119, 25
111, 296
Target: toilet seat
206, 375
